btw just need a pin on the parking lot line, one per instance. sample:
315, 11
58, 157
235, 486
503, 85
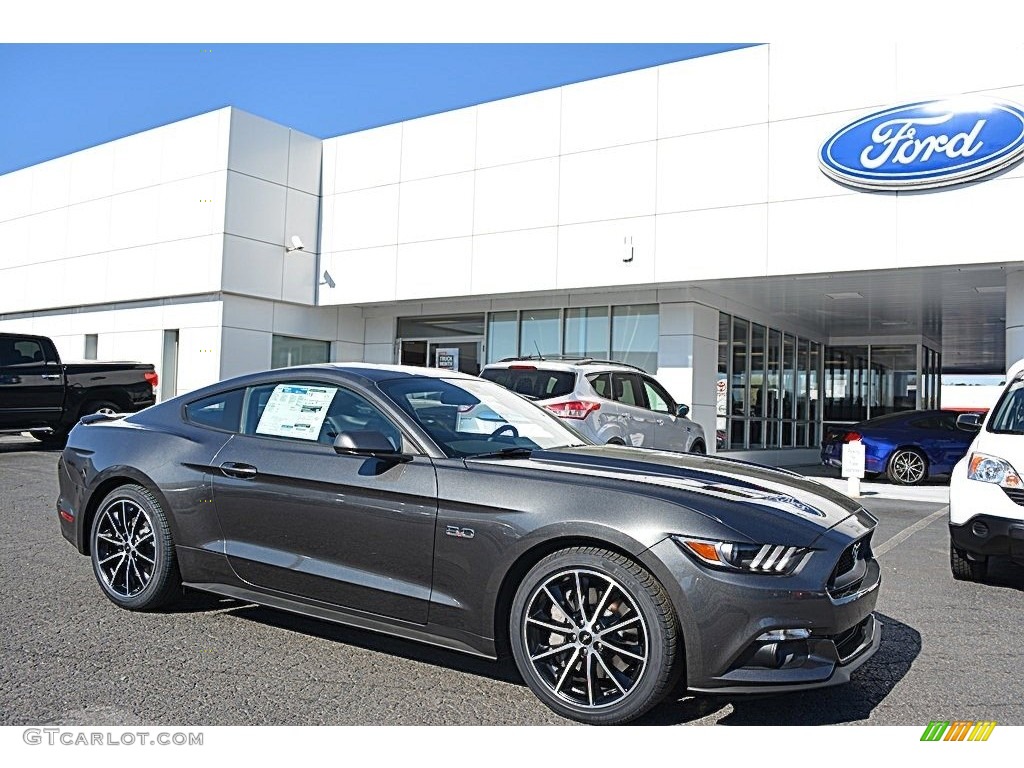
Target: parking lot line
909, 531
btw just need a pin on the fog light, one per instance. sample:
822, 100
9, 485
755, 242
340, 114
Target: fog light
979, 529
780, 655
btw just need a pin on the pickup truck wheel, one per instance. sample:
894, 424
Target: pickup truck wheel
105, 407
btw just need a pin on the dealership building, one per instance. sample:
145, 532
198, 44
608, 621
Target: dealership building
714, 221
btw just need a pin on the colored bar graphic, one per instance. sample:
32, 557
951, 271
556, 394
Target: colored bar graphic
982, 731
958, 730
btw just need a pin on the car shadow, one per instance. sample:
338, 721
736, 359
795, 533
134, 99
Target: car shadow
503, 670
12, 444
868, 687
1003, 572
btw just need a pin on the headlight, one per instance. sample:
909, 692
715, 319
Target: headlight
753, 558
990, 469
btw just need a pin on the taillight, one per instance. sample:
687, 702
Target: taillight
522, 367
574, 409
851, 436
151, 378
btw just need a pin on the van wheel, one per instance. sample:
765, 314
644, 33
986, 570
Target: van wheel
965, 569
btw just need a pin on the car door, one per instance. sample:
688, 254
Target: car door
31, 383
298, 518
640, 423
671, 433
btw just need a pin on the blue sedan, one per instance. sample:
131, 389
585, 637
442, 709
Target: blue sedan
909, 447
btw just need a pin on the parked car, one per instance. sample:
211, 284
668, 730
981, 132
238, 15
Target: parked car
909, 447
350, 493
45, 397
986, 493
606, 401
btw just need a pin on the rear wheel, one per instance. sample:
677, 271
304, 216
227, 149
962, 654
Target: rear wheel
964, 568
698, 447
132, 551
54, 439
907, 466
105, 407
595, 636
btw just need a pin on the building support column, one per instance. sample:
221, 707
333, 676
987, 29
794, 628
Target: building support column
1014, 317
688, 360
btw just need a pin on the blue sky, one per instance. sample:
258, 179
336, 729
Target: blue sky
57, 99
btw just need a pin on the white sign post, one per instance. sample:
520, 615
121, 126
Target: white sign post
853, 467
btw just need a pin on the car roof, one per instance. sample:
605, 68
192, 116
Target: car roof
564, 365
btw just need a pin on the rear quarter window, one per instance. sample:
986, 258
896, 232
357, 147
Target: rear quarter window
221, 411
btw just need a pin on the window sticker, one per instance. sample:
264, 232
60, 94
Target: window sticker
296, 410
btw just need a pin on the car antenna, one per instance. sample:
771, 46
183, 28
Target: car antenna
537, 347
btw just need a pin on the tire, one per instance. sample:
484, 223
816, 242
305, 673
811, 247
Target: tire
99, 406
148, 577
965, 569
698, 447
646, 654
615, 441
907, 466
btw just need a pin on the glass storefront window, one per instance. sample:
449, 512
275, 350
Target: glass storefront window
894, 374
635, 335
434, 326
758, 344
540, 332
288, 350
502, 335
722, 385
587, 331
846, 371
738, 385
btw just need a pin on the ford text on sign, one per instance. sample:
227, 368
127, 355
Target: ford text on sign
926, 144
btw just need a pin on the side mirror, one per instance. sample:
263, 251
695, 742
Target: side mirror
369, 443
682, 410
969, 422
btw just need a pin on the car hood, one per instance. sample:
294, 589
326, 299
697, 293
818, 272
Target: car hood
753, 499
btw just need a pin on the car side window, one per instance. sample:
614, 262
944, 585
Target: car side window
925, 422
602, 384
947, 422
21, 352
314, 412
221, 411
626, 390
657, 398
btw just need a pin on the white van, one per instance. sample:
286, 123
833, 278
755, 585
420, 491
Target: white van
986, 492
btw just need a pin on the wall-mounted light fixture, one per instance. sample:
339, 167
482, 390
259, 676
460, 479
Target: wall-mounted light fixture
296, 245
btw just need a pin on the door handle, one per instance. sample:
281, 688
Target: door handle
241, 471
50, 376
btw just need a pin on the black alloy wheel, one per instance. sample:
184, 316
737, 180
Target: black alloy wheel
132, 552
595, 636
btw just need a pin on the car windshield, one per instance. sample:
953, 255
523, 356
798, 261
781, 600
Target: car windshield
1008, 415
473, 417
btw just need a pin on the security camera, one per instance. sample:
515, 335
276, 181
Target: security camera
328, 280
296, 244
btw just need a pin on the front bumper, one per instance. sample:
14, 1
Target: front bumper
723, 615
990, 535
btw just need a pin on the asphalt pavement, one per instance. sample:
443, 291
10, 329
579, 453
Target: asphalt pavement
69, 657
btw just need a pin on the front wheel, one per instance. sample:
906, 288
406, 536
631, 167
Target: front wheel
595, 636
907, 466
132, 552
965, 569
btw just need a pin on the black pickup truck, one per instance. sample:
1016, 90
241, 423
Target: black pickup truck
45, 397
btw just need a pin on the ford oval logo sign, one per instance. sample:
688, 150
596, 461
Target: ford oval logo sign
927, 144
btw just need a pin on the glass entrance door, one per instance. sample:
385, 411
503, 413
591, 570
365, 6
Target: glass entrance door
455, 354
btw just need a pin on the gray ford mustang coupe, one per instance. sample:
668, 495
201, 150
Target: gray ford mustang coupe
444, 508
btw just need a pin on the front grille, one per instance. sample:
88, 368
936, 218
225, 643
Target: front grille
849, 572
1016, 495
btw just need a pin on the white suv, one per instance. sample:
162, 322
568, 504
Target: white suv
608, 402
986, 492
